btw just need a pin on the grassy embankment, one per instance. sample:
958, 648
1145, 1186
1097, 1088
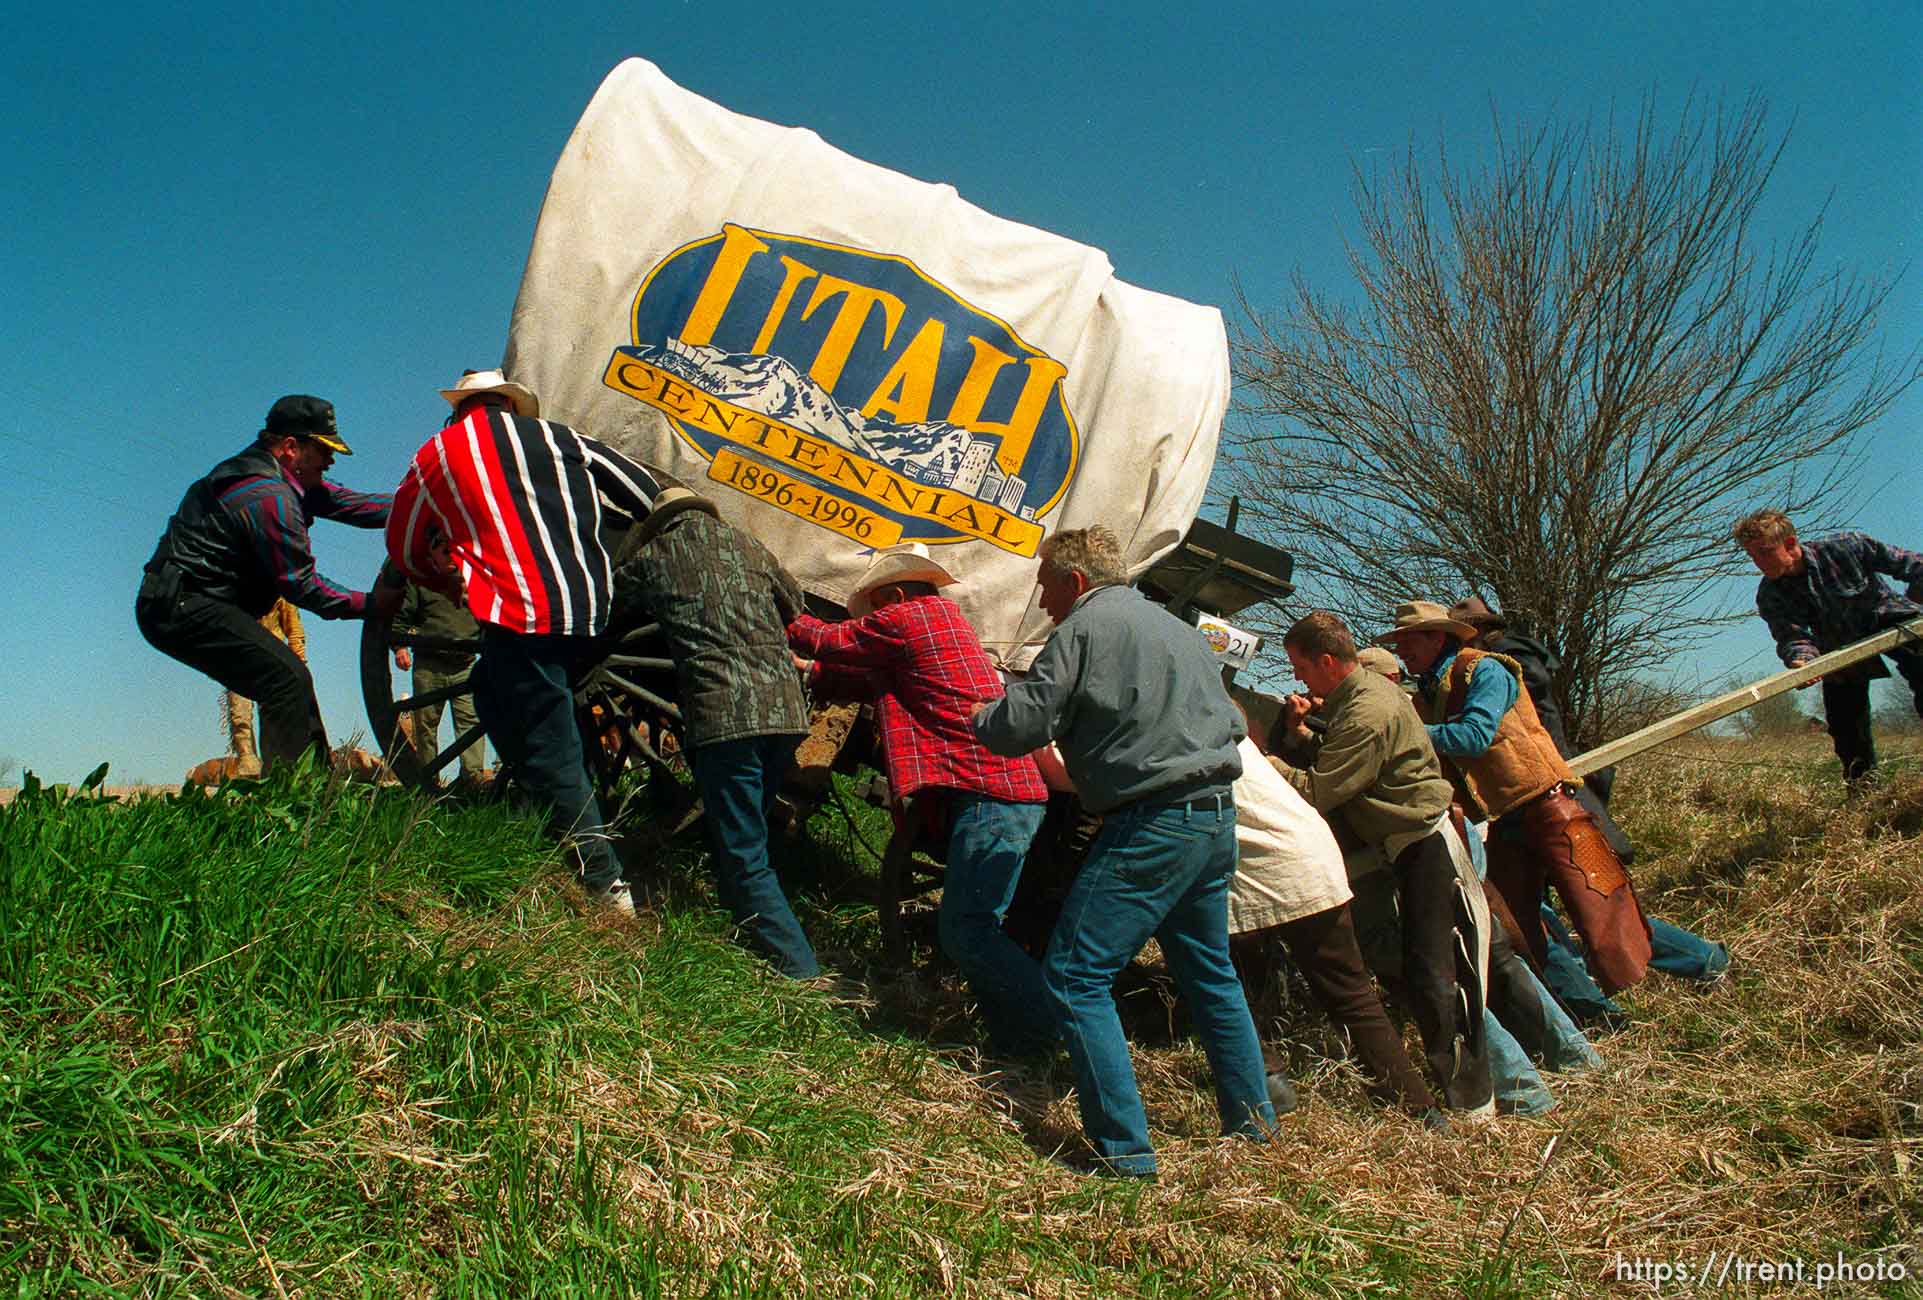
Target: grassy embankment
317, 1040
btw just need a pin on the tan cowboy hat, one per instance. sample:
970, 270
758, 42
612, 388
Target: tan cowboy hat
669, 502
493, 381
908, 562
1425, 616
1378, 660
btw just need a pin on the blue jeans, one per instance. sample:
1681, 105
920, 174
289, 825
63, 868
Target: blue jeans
988, 840
1676, 951
1524, 1022
739, 780
1565, 1048
1673, 950
1160, 872
523, 699
1519, 1087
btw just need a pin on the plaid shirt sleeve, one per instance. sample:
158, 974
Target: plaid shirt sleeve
1795, 637
1906, 566
868, 642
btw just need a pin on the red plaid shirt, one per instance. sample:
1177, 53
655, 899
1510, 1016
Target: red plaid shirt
925, 669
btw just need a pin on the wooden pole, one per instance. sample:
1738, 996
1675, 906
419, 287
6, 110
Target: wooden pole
1737, 700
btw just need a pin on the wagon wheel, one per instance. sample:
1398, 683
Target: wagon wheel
910, 868
385, 711
623, 700
624, 703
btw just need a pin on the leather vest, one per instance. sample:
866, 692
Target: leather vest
1521, 763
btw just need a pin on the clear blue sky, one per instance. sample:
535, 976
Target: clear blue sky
208, 206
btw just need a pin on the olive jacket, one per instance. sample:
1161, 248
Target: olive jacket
1374, 766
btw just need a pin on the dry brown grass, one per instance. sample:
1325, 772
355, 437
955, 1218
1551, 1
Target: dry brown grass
1776, 1116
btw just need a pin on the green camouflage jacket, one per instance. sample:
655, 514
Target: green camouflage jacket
432, 614
724, 603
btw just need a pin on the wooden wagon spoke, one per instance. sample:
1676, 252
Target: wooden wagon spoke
640, 661
635, 738
645, 695
439, 695
472, 735
640, 742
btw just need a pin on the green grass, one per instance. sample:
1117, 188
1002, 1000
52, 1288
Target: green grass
305, 1038
308, 1037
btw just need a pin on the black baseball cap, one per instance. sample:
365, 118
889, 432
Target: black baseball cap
307, 417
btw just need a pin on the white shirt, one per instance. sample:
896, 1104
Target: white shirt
1289, 864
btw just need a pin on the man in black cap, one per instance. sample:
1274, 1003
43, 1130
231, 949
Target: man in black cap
238, 541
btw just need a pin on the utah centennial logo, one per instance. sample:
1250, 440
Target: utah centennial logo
849, 389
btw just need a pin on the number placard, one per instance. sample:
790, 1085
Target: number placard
803, 500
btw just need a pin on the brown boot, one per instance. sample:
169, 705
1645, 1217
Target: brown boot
240, 735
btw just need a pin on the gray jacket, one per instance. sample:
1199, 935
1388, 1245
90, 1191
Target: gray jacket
1133, 698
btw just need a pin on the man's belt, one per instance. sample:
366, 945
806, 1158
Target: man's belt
1224, 802
1558, 803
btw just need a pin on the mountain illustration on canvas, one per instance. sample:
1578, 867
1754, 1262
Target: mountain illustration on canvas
934, 451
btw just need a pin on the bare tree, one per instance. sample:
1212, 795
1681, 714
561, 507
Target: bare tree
1567, 372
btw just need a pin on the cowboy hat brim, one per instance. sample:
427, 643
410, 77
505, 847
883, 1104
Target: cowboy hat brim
672, 503
525, 403
861, 600
1461, 631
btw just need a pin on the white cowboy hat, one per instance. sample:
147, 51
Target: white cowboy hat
493, 381
908, 562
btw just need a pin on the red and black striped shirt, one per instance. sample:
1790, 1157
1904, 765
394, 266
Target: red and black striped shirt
525, 507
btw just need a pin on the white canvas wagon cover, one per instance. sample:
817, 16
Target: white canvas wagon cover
844, 358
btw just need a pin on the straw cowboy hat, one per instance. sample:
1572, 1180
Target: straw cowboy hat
668, 503
1425, 616
908, 562
493, 381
